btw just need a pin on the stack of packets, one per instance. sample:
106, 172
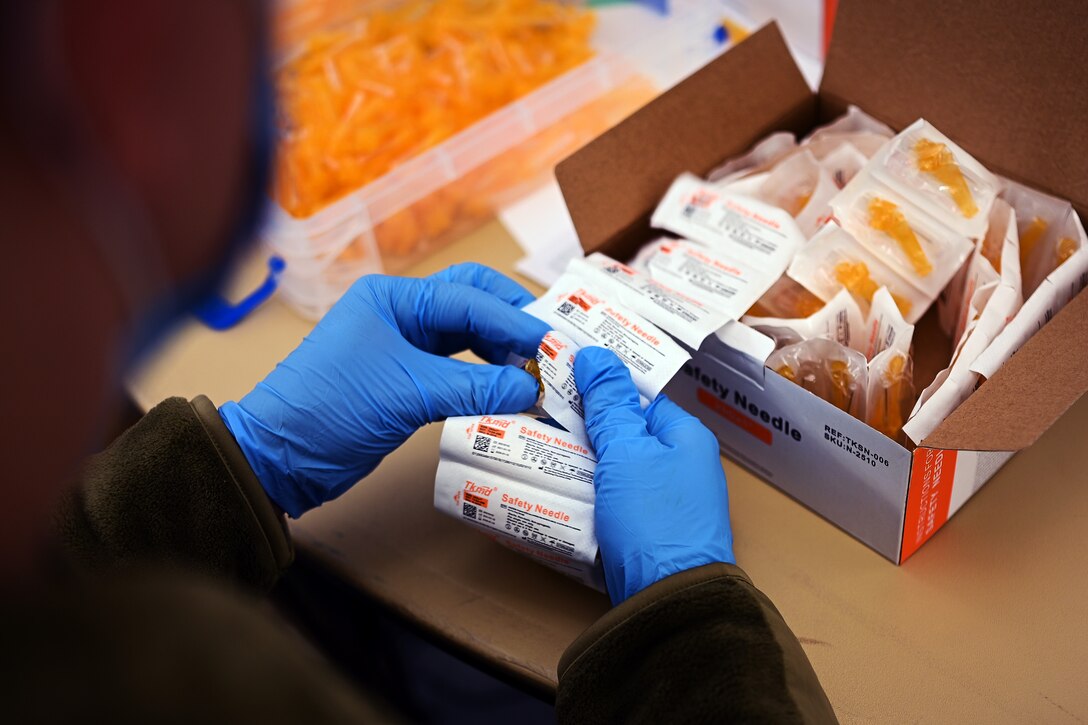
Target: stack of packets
833, 247
527, 485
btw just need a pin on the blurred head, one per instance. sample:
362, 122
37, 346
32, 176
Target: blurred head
130, 160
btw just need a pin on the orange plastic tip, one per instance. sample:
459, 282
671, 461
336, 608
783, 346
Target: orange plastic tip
363, 97
855, 277
888, 416
935, 159
884, 216
1066, 248
1030, 238
840, 384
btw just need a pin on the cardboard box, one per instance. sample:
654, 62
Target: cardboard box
1021, 109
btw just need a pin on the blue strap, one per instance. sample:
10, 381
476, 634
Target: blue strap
219, 314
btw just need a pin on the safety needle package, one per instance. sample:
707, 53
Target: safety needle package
920, 250
834, 260
863, 312
525, 484
827, 369
921, 164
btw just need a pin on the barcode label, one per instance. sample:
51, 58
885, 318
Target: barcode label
482, 444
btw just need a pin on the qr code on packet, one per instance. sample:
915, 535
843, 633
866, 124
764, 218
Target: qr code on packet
469, 511
481, 444
566, 308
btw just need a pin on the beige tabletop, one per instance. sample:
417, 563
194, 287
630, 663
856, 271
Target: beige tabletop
987, 623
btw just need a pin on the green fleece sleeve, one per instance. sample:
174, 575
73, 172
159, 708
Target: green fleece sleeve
175, 489
700, 646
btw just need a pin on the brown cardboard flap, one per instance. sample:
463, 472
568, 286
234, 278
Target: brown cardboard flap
612, 184
1004, 79
1030, 391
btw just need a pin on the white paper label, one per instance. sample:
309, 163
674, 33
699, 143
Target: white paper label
588, 318
684, 317
718, 281
562, 401
739, 227
886, 328
526, 484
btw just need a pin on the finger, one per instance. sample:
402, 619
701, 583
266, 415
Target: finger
609, 398
484, 278
674, 426
485, 322
462, 388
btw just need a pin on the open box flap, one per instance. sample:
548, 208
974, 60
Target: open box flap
1003, 79
612, 184
1006, 82
1028, 394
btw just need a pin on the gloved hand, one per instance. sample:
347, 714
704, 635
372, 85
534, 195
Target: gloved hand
373, 371
662, 505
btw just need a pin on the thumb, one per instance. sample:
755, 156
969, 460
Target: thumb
463, 388
609, 398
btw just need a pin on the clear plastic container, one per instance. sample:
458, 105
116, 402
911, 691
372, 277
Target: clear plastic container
425, 202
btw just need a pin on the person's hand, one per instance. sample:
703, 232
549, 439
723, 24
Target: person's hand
374, 370
662, 505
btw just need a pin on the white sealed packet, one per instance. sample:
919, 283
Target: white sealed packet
525, 484
745, 185
953, 304
854, 120
922, 251
716, 280
826, 369
989, 269
843, 164
686, 317
839, 320
1049, 232
802, 187
987, 312
868, 144
890, 391
856, 128
1048, 299
739, 227
1036, 216
554, 364
588, 317
763, 154
885, 327
833, 260
923, 165
983, 267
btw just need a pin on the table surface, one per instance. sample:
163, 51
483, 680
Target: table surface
986, 623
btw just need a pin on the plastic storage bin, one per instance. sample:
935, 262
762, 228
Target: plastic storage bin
423, 203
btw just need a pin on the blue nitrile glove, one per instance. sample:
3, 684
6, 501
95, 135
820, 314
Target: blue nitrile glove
662, 505
374, 370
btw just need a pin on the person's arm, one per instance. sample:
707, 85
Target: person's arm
206, 489
691, 639
176, 489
